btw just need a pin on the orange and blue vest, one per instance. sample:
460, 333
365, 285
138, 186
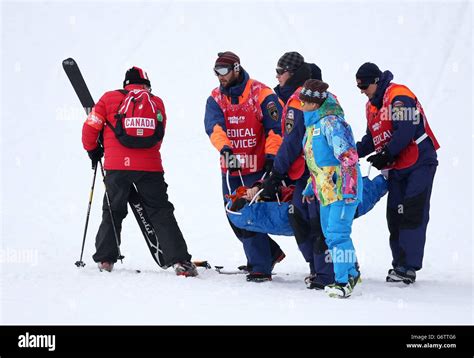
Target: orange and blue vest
380, 125
250, 127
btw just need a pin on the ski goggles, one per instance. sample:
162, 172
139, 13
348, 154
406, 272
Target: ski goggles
363, 86
280, 70
222, 71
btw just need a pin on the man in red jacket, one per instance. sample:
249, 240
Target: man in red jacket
133, 121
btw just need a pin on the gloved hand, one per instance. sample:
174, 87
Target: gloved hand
96, 155
381, 159
230, 160
271, 186
268, 166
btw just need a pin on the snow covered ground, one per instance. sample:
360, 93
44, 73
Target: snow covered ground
45, 174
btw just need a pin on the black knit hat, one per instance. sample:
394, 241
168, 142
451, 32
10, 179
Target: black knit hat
136, 75
314, 91
368, 73
290, 61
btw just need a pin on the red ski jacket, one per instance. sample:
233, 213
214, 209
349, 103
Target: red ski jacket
117, 156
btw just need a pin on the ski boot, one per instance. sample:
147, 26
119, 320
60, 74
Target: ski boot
401, 274
105, 266
342, 290
185, 268
258, 277
312, 283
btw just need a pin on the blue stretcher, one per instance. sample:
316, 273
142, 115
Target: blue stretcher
271, 217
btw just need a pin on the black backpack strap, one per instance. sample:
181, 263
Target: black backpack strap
118, 130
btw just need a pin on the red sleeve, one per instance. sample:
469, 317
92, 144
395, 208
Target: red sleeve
93, 125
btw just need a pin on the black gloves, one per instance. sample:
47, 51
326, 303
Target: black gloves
268, 166
96, 155
230, 160
271, 186
381, 159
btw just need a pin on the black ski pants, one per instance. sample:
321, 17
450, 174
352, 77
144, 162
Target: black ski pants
152, 188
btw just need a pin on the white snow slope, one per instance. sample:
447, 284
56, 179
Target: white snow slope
45, 173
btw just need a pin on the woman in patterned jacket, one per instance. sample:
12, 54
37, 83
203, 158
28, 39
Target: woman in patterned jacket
335, 179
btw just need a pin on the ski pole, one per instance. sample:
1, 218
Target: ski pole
81, 263
120, 256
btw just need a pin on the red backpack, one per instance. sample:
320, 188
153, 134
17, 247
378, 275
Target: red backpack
139, 122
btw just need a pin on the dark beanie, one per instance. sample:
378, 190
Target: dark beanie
290, 61
136, 75
227, 58
315, 72
314, 91
368, 73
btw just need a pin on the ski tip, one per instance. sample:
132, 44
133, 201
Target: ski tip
69, 62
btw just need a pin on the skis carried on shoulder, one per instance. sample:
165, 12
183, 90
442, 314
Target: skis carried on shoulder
134, 200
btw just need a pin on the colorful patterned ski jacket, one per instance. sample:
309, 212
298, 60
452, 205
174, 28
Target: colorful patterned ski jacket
331, 155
